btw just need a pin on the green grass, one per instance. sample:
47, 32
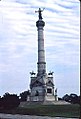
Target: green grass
72, 110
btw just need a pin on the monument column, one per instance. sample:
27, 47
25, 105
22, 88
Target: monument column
42, 86
41, 53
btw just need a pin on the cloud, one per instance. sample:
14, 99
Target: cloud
18, 40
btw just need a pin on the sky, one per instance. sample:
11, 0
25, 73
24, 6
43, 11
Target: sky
18, 44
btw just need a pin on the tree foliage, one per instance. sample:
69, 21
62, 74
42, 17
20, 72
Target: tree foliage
72, 98
24, 95
9, 101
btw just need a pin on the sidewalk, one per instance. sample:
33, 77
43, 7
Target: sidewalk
17, 116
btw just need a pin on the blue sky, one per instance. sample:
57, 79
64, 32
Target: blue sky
18, 43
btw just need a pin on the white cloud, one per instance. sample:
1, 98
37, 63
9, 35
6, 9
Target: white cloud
18, 37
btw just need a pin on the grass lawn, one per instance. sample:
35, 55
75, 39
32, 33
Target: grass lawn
72, 110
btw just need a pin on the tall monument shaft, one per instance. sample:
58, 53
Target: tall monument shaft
41, 52
42, 86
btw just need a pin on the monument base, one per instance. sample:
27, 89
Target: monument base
42, 88
25, 103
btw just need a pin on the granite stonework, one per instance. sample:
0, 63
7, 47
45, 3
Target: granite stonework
42, 83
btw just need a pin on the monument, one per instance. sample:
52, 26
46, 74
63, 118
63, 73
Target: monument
42, 85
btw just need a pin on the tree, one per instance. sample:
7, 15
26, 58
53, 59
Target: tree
1, 103
10, 101
66, 98
72, 98
24, 95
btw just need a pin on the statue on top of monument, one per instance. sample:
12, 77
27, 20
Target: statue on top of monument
40, 15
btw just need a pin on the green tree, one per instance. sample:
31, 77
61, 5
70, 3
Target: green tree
10, 101
72, 98
23, 96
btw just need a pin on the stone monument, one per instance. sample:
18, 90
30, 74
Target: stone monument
42, 84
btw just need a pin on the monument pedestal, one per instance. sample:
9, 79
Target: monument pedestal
42, 88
